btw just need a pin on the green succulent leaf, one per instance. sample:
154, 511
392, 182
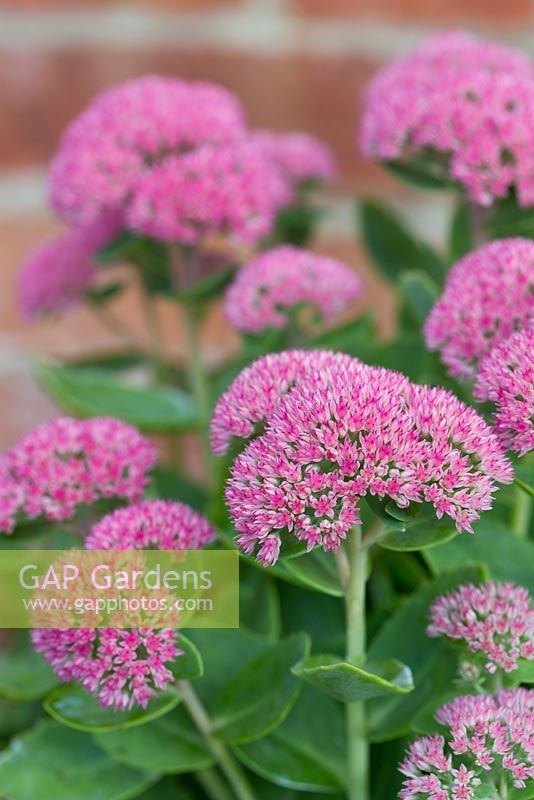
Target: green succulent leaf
424, 530
169, 745
50, 760
306, 752
460, 232
421, 173
507, 557
188, 666
76, 708
261, 695
345, 682
94, 392
316, 570
208, 288
25, 675
420, 292
392, 247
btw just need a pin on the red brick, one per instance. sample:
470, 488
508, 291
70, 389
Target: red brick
40, 91
445, 12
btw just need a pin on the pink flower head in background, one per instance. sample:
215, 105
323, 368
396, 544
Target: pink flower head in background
300, 156
488, 295
351, 430
469, 102
494, 619
125, 131
124, 668
489, 742
154, 524
255, 393
276, 281
231, 189
506, 377
65, 463
56, 274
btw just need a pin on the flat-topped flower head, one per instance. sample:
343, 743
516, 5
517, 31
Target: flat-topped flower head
285, 278
351, 430
122, 668
506, 377
494, 619
488, 295
55, 275
231, 189
127, 129
127, 667
66, 463
253, 396
489, 743
153, 524
302, 158
466, 102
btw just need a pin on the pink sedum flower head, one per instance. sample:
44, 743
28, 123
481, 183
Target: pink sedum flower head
489, 742
124, 668
351, 430
125, 131
231, 189
55, 275
301, 157
494, 619
154, 524
66, 463
276, 281
488, 295
506, 377
256, 392
468, 102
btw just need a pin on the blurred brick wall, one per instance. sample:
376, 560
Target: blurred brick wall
295, 63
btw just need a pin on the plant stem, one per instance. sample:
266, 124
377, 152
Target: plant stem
213, 785
234, 774
198, 382
155, 334
357, 745
521, 513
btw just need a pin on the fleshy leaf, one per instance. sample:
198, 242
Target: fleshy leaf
261, 695
76, 708
94, 392
25, 675
49, 761
345, 682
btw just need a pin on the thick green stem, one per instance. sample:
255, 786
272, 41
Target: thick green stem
213, 784
357, 744
233, 772
198, 382
521, 513
154, 334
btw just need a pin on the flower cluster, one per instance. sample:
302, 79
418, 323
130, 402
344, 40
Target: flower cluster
351, 430
65, 463
275, 282
489, 742
301, 157
495, 619
506, 377
488, 295
254, 395
123, 668
128, 129
232, 188
161, 524
55, 275
466, 101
